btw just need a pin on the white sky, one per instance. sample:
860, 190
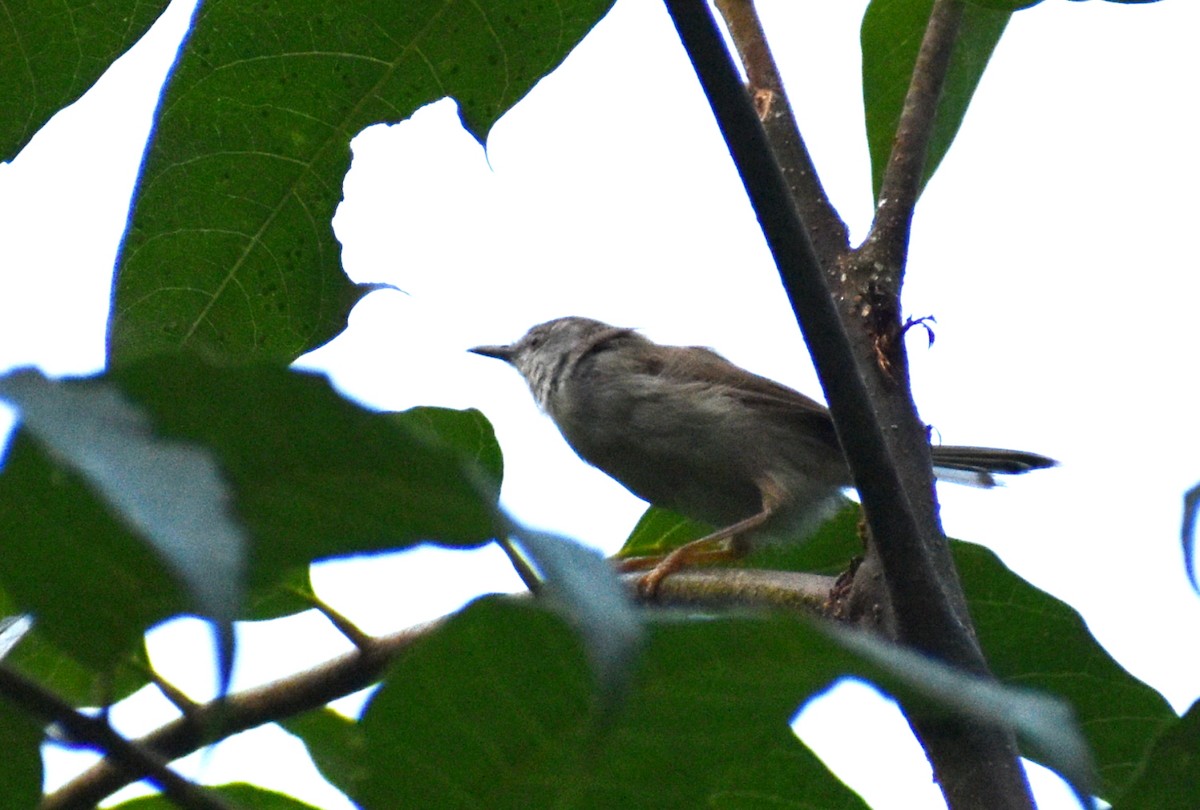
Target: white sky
1051, 247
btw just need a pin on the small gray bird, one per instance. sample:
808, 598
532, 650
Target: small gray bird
686, 430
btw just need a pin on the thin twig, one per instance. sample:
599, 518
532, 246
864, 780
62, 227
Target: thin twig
361, 640
289, 696
887, 243
828, 232
357, 670
95, 732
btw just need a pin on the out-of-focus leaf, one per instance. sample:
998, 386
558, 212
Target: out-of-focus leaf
1169, 778
316, 475
21, 765
584, 588
1191, 505
40, 660
496, 704
247, 797
12, 630
52, 52
230, 250
312, 475
169, 493
337, 746
891, 36
1034, 640
1044, 725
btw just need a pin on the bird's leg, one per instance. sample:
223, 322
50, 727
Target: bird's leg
720, 546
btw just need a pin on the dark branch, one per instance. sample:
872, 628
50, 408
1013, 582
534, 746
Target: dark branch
211, 722
95, 732
977, 767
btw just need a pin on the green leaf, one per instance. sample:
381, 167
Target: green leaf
1170, 776
230, 251
338, 747
891, 35
312, 475
827, 551
21, 765
52, 52
40, 660
584, 588
1032, 639
93, 586
659, 531
12, 630
168, 493
249, 797
494, 710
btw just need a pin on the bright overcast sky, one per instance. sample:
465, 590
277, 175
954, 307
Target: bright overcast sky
1052, 247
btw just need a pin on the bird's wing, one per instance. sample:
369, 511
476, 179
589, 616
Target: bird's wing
698, 364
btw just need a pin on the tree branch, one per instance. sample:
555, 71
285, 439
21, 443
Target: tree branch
349, 673
887, 243
865, 384
97, 733
828, 232
214, 721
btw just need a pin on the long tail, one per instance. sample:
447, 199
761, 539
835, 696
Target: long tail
978, 466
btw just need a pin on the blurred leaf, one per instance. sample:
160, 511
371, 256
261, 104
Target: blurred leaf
584, 588
1044, 725
12, 630
316, 475
40, 660
1191, 505
495, 710
169, 493
52, 52
313, 475
21, 765
496, 704
337, 746
891, 36
1170, 776
230, 251
92, 585
1034, 640
246, 797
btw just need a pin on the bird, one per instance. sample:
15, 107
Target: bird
685, 429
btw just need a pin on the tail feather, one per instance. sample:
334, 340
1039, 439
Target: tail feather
977, 466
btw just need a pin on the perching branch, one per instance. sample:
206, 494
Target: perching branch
208, 723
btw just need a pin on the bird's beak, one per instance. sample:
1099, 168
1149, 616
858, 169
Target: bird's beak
504, 353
